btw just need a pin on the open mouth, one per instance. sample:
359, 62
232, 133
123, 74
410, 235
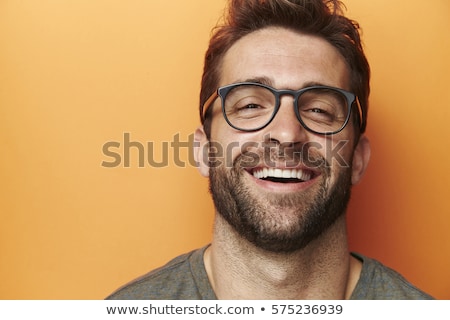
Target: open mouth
283, 175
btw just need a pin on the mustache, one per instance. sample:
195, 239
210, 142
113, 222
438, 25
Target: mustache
288, 155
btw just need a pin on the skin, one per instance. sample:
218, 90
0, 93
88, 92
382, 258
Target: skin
323, 269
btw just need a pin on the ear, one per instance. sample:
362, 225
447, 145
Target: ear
361, 158
201, 151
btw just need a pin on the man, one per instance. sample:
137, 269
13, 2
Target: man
285, 92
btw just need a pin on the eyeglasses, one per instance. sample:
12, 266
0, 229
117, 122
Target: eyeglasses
249, 106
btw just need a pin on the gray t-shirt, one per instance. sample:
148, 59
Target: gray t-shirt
185, 278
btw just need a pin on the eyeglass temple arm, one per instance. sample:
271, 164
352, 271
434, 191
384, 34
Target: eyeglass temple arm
207, 105
362, 116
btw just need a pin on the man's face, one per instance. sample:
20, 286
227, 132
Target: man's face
282, 186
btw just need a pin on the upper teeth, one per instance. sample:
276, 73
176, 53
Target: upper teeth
281, 173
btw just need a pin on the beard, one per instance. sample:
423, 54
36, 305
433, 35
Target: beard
281, 223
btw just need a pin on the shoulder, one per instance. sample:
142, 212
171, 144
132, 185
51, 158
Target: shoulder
184, 278
378, 281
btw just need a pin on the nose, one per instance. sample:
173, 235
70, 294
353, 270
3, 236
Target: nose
285, 127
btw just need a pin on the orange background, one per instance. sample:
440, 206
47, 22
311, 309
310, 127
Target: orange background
77, 74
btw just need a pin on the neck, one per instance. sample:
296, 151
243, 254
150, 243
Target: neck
322, 270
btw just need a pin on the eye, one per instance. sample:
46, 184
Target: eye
249, 102
249, 110
250, 106
317, 110
321, 113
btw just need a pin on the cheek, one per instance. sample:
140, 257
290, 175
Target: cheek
230, 144
224, 144
338, 154
339, 151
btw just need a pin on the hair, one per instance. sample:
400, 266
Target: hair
323, 18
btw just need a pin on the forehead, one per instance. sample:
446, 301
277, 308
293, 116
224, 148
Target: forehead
289, 59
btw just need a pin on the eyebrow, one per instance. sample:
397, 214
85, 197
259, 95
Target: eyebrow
261, 80
268, 82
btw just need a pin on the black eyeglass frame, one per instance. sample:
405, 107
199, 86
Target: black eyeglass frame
222, 92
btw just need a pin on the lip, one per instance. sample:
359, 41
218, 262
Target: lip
284, 187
